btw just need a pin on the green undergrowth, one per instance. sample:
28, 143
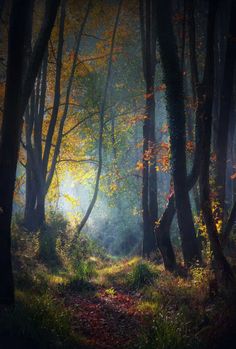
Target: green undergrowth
169, 332
37, 321
133, 273
176, 311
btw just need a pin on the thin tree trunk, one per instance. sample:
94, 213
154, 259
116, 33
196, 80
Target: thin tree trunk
30, 197
101, 125
51, 170
57, 90
145, 177
149, 189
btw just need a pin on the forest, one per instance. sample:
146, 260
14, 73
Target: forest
118, 174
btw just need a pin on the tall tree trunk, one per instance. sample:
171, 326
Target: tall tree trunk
9, 146
222, 268
149, 190
198, 92
176, 111
45, 168
57, 90
225, 108
18, 89
30, 197
41, 193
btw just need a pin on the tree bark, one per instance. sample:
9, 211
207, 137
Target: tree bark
176, 111
149, 189
225, 108
9, 145
45, 169
223, 270
18, 89
57, 90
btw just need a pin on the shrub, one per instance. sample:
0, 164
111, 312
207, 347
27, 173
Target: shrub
81, 279
141, 275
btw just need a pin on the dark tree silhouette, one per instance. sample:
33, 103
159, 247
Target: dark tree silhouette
149, 189
222, 268
19, 85
175, 106
226, 96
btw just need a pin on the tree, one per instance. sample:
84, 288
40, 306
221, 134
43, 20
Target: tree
175, 106
225, 108
149, 189
101, 123
18, 88
222, 268
43, 159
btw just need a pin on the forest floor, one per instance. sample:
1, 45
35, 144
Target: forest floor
136, 304
106, 321
107, 313
116, 304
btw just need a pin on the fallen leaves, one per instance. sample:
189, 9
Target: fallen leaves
107, 319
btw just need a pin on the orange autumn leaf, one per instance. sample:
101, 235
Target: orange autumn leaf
139, 166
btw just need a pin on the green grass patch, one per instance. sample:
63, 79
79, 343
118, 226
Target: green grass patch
142, 274
169, 332
36, 322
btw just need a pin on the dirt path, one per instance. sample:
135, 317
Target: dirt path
106, 319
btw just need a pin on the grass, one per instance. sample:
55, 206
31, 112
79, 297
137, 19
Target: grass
168, 332
127, 273
142, 274
177, 312
37, 322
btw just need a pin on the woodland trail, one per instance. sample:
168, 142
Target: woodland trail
106, 319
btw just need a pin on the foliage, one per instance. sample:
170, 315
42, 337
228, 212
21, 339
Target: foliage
169, 332
36, 322
82, 276
110, 291
141, 275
